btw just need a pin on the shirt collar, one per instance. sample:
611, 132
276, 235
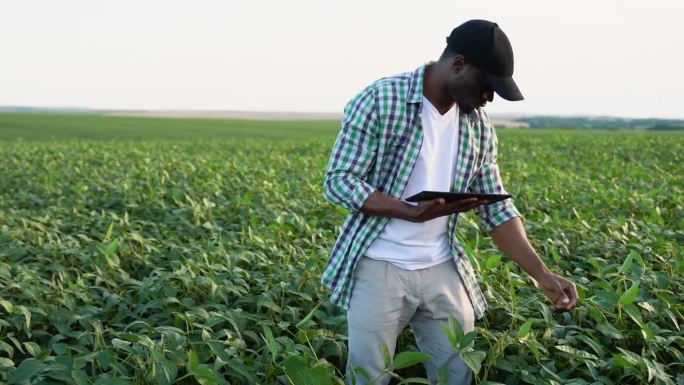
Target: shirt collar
415, 91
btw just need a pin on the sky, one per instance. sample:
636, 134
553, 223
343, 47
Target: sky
610, 58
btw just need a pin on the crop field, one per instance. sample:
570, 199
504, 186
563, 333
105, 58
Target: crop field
177, 251
49, 127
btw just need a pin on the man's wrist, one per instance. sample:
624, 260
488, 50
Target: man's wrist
384, 205
406, 211
542, 275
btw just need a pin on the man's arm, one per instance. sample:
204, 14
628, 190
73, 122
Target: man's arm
511, 239
502, 221
353, 154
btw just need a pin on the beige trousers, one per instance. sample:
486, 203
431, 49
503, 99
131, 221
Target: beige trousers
386, 298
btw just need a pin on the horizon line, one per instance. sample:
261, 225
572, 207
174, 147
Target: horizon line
265, 114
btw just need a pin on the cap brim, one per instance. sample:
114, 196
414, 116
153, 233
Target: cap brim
505, 87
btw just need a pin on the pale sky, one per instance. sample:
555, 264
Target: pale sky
600, 57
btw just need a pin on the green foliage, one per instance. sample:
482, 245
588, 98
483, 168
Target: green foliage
461, 343
47, 127
407, 359
299, 372
162, 262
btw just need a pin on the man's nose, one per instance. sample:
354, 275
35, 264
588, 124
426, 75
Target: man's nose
489, 95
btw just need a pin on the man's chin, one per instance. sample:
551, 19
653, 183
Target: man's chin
466, 109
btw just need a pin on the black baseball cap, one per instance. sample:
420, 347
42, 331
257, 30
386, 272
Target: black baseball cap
484, 45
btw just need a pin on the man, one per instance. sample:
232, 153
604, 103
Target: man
395, 263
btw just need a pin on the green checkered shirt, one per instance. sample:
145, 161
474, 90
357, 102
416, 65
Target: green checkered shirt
376, 149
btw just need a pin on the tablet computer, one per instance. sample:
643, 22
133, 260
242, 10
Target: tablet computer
451, 196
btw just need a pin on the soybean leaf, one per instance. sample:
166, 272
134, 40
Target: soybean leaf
630, 294
166, 370
473, 358
80, 377
6, 362
27, 316
7, 305
492, 261
322, 375
406, 359
32, 348
193, 361
467, 340
239, 367
308, 316
627, 264
298, 371
386, 355
205, 376
27, 369
609, 330
525, 329
271, 343
657, 370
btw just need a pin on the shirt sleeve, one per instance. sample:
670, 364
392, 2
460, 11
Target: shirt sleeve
353, 154
488, 181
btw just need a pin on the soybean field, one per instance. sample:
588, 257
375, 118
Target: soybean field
189, 251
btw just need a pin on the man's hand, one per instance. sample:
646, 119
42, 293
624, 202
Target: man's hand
384, 205
562, 292
433, 208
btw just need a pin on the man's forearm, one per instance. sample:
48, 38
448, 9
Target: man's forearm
511, 239
383, 205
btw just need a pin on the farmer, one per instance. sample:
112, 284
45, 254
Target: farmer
395, 263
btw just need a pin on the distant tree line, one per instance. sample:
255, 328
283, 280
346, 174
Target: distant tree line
604, 123
667, 127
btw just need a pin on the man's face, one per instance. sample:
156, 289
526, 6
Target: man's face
468, 87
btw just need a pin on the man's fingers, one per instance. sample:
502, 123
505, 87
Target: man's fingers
562, 293
560, 305
559, 294
428, 207
568, 294
431, 207
571, 292
431, 202
465, 204
461, 203
435, 202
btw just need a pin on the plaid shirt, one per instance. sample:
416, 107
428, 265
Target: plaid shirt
376, 149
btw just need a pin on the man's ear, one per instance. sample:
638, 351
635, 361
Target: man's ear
458, 63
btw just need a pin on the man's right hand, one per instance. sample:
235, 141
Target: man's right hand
434, 208
381, 204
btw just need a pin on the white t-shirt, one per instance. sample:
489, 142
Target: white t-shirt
413, 246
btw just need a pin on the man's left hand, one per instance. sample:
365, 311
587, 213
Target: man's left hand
562, 292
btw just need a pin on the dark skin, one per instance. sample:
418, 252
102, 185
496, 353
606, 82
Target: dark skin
452, 81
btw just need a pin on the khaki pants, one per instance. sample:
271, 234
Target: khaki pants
386, 298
